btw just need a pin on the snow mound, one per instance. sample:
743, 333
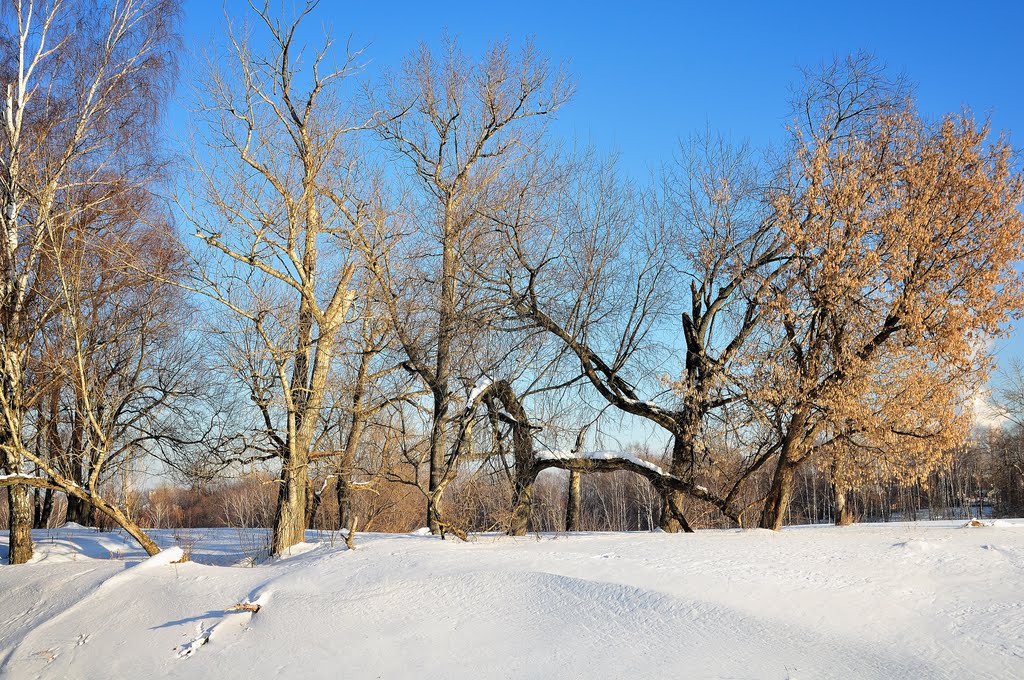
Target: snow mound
819, 602
163, 558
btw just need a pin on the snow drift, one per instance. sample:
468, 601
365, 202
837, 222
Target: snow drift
930, 600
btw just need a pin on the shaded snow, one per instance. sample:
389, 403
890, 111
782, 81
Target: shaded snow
870, 601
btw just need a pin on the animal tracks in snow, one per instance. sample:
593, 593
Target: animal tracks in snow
232, 624
189, 648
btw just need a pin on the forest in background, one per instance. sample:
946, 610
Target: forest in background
380, 304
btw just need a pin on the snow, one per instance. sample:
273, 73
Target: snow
600, 455
929, 599
482, 383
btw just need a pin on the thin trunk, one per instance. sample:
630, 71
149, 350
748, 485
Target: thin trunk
47, 509
442, 374
37, 506
437, 456
573, 502
344, 494
313, 500
346, 470
346, 467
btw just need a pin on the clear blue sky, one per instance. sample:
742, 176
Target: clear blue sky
649, 72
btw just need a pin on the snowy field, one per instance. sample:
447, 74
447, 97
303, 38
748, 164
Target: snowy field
920, 600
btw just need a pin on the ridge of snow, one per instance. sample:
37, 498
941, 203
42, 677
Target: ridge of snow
164, 557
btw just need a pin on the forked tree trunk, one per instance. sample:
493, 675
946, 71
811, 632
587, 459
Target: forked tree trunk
573, 505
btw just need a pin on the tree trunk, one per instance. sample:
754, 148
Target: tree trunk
573, 504
344, 492
37, 507
437, 455
346, 467
313, 500
47, 509
844, 511
133, 529
777, 502
442, 369
522, 501
79, 511
19, 500
290, 520
42, 507
19, 505
672, 519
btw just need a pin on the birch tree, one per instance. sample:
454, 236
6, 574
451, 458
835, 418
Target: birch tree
82, 92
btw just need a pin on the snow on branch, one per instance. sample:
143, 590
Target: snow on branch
482, 383
28, 480
610, 456
610, 461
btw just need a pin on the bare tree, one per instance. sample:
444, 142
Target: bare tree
277, 201
606, 270
459, 129
82, 87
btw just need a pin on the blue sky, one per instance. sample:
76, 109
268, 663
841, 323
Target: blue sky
648, 73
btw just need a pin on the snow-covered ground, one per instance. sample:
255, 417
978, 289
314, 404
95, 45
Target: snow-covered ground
921, 600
